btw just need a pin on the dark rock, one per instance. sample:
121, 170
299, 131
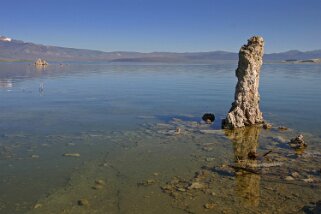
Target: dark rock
298, 142
252, 155
313, 208
317, 208
208, 117
83, 202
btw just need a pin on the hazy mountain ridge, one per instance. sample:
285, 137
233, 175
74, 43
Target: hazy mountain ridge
19, 50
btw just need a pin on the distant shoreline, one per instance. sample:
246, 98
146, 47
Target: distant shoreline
15, 60
132, 61
306, 61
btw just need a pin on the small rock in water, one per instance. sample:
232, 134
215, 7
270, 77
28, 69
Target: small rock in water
267, 125
210, 206
289, 178
37, 206
208, 118
83, 202
71, 155
177, 131
209, 159
295, 174
100, 182
282, 128
298, 142
34, 156
308, 180
181, 189
147, 182
196, 185
207, 149
98, 186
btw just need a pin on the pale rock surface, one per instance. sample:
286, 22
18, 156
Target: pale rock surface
245, 109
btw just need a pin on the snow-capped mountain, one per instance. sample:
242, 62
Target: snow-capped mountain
5, 39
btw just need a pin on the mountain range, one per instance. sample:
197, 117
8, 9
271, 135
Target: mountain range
11, 50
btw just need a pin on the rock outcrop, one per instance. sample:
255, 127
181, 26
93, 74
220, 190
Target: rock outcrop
245, 109
41, 62
298, 142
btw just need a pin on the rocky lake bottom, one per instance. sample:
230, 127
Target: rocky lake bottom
136, 145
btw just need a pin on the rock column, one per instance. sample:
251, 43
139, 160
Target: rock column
245, 109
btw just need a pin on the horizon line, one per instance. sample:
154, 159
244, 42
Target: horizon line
155, 51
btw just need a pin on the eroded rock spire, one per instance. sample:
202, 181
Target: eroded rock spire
245, 109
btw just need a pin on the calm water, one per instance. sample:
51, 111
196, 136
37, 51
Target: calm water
121, 120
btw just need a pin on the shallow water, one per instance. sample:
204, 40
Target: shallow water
121, 120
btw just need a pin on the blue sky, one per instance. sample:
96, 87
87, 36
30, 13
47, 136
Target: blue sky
164, 25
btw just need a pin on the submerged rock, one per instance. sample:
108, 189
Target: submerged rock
178, 131
83, 202
210, 206
245, 109
197, 185
282, 128
35, 156
317, 208
147, 182
289, 178
38, 205
71, 155
295, 174
308, 180
100, 182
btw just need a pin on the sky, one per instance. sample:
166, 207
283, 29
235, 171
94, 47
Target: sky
164, 25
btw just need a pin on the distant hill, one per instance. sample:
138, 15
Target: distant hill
294, 55
11, 49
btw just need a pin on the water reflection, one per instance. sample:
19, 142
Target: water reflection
247, 183
6, 83
41, 68
41, 89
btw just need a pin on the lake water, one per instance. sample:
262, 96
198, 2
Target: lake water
118, 122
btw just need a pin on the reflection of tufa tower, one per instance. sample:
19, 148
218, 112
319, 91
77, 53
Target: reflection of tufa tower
245, 109
6, 83
245, 142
